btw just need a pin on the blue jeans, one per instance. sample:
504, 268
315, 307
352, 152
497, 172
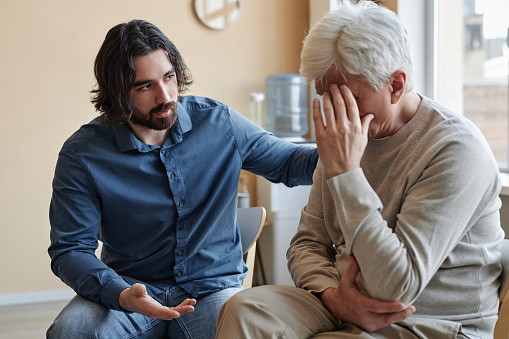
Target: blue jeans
83, 319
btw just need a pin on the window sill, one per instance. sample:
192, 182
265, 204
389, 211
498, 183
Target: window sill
505, 184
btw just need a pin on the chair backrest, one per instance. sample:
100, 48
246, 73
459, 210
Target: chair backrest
251, 221
502, 327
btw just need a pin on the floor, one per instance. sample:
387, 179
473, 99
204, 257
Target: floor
28, 321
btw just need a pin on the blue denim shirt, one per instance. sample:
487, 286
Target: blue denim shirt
166, 215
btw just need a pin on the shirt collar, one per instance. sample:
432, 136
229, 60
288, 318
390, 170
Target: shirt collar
127, 141
184, 119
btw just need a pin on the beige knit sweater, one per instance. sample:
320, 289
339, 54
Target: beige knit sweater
421, 216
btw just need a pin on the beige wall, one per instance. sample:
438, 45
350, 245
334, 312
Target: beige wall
46, 56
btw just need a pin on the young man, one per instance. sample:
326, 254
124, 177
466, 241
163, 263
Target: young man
155, 178
401, 235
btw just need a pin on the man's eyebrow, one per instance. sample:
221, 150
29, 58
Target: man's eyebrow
141, 83
144, 82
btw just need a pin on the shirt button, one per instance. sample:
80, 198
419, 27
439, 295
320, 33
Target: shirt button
181, 227
179, 273
180, 252
172, 176
181, 204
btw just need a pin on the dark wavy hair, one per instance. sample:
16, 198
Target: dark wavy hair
114, 68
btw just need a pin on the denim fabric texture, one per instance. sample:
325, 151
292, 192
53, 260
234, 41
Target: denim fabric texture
83, 318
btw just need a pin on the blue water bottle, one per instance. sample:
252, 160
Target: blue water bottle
286, 110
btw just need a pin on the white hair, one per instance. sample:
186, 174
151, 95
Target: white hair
362, 40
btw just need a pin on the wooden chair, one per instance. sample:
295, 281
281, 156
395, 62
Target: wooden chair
251, 221
502, 327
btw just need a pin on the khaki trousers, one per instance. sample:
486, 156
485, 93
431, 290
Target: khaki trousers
287, 312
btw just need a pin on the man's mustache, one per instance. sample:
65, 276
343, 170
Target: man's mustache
163, 107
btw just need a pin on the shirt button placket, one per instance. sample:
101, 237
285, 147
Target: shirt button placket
181, 205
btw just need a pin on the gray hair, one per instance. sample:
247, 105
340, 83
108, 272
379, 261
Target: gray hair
362, 40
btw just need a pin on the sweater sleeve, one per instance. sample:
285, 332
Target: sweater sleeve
456, 187
312, 252
402, 237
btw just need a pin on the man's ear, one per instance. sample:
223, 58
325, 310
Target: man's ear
397, 86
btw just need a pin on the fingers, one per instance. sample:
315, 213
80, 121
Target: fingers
342, 104
353, 263
165, 313
318, 121
339, 107
390, 310
386, 319
380, 307
136, 299
184, 309
191, 302
187, 306
347, 103
351, 273
366, 120
317, 114
328, 111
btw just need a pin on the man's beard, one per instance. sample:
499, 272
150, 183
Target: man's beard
151, 121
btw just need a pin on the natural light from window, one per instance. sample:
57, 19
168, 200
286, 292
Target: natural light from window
475, 79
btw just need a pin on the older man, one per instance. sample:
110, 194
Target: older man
401, 234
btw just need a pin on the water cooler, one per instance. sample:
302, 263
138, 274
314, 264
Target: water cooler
286, 107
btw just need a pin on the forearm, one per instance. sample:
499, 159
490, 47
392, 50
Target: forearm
348, 304
401, 248
311, 255
90, 278
282, 162
312, 270
277, 160
301, 166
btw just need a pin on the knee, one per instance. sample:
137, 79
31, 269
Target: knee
256, 299
236, 304
60, 329
64, 328
79, 319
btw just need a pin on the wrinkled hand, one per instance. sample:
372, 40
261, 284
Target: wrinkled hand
136, 299
342, 140
349, 305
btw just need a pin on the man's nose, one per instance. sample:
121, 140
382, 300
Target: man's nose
162, 95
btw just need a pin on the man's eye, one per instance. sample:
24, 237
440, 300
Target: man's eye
169, 76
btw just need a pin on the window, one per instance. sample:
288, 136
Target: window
471, 65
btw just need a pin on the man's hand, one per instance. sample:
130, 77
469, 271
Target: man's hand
349, 305
342, 141
136, 299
